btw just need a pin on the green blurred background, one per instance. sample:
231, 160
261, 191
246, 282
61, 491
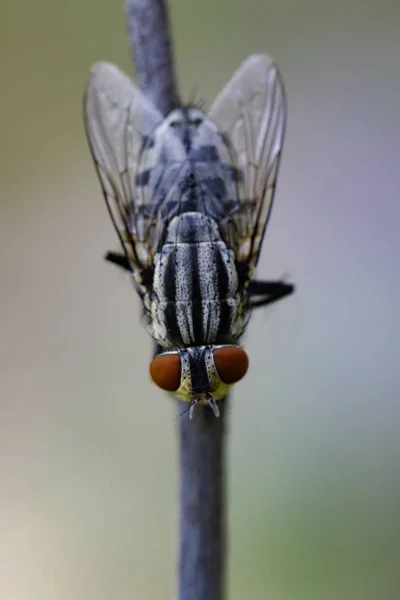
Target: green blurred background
88, 455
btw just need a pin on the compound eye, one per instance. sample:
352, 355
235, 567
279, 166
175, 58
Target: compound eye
165, 371
231, 363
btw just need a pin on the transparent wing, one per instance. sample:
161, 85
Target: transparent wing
251, 113
120, 123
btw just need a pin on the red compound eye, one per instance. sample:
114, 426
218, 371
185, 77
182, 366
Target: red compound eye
231, 363
165, 371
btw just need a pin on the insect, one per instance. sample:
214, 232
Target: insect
190, 196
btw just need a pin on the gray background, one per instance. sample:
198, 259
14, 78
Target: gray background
88, 452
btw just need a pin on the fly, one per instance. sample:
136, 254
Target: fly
190, 196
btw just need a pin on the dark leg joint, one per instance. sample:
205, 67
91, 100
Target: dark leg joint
266, 292
118, 259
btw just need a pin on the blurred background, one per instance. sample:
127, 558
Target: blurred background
88, 453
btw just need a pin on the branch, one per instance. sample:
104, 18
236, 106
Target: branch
203, 505
202, 546
150, 39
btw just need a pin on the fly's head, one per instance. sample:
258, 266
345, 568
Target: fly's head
201, 375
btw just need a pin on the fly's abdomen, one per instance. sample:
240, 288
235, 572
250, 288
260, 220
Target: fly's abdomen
196, 300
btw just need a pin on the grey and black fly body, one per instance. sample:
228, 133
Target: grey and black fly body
190, 196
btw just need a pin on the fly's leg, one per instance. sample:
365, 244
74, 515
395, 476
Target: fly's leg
145, 276
265, 292
118, 259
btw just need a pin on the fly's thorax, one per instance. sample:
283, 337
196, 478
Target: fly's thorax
196, 298
187, 166
194, 129
200, 374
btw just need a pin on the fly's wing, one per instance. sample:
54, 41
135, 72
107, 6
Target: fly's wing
120, 123
250, 112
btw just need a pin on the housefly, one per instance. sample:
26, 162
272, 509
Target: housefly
190, 195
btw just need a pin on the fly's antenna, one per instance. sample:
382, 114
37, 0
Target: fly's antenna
192, 407
213, 405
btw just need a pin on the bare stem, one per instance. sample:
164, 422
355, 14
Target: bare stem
150, 39
202, 541
203, 506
